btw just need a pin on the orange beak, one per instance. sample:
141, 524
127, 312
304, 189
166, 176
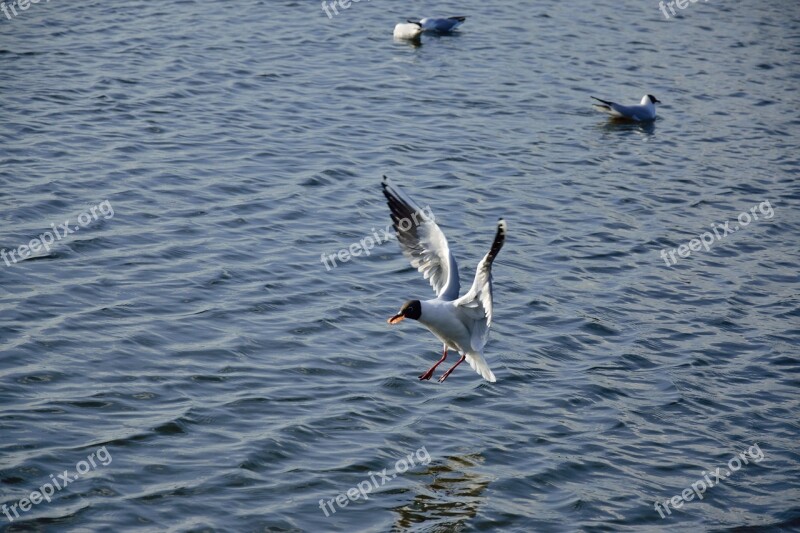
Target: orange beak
395, 319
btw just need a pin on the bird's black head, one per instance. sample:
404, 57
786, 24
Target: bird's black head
411, 309
653, 99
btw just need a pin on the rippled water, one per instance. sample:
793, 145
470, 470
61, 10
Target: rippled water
221, 379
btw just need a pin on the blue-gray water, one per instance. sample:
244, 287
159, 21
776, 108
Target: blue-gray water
196, 341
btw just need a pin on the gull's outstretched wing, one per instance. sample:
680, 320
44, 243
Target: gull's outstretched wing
477, 303
423, 242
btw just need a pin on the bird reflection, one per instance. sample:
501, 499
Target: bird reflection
450, 499
414, 43
617, 125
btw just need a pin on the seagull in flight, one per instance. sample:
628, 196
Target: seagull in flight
462, 324
441, 25
646, 110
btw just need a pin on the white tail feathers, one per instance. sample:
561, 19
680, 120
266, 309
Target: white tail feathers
478, 364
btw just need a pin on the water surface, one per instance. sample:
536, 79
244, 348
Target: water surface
197, 337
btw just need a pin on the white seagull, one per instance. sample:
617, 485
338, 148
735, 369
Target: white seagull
441, 25
462, 324
408, 31
646, 110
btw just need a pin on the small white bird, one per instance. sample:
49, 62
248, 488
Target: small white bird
410, 30
462, 324
440, 25
646, 110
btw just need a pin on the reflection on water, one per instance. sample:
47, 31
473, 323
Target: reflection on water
236, 381
622, 125
451, 498
415, 43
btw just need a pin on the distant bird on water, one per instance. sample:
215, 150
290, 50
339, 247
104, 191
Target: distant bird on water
462, 324
646, 110
439, 25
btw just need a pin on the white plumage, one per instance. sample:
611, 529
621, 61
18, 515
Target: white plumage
645, 111
408, 30
462, 324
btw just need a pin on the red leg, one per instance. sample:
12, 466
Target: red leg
444, 376
429, 373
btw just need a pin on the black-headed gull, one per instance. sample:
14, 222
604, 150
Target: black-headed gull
407, 31
440, 25
462, 324
646, 110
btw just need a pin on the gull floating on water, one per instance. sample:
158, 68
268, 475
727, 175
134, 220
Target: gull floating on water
462, 324
440, 25
410, 30
646, 110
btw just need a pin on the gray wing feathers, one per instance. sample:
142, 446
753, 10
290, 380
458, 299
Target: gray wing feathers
423, 242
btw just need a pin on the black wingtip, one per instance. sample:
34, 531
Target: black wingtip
502, 227
499, 239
